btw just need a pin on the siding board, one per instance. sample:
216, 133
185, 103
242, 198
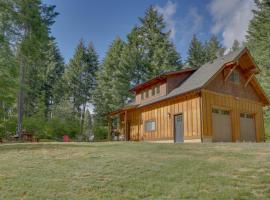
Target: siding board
163, 113
236, 106
190, 107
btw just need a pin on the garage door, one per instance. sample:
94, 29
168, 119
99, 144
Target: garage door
247, 127
221, 122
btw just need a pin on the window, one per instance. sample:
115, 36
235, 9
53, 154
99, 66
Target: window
234, 77
158, 89
142, 96
153, 91
150, 125
246, 115
146, 93
219, 111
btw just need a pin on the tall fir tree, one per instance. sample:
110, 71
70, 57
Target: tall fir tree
157, 52
81, 78
196, 53
213, 49
133, 58
147, 53
258, 40
53, 74
8, 83
106, 95
236, 45
28, 26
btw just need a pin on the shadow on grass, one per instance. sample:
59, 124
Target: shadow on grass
53, 145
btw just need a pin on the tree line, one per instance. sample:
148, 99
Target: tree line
41, 94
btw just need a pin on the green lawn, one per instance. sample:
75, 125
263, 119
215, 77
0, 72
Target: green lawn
134, 171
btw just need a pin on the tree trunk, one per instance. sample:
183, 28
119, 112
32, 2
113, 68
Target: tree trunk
82, 119
20, 99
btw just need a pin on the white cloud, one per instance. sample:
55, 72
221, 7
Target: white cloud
168, 12
231, 19
195, 20
191, 24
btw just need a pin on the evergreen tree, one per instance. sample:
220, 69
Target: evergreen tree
236, 45
54, 70
8, 72
132, 58
8, 85
196, 53
81, 78
147, 53
28, 26
258, 40
106, 95
213, 49
159, 52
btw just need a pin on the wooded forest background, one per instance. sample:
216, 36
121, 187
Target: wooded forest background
41, 94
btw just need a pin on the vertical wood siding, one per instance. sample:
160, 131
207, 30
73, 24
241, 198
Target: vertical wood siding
218, 85
236, 106
162, 92
163, 113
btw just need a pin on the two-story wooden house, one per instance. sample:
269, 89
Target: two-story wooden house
221, 101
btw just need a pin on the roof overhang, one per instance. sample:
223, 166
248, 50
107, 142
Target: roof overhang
160, 79
246, 62
122, 110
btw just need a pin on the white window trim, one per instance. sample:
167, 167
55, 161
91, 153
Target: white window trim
153, 125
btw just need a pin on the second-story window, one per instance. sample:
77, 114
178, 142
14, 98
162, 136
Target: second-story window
142, 95
158, 89
153, 91
146, 93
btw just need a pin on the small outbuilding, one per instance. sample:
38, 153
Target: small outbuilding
222, 101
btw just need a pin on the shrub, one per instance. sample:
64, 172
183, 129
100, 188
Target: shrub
8, 127
52, 129
100, 132
35, 126
56, 128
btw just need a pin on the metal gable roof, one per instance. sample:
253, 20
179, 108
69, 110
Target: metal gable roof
200, 77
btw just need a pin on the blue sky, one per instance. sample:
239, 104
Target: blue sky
100, 21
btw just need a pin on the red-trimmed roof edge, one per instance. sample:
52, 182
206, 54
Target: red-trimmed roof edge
161, 78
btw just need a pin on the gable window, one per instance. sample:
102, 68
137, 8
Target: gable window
150, 125
234, 77
153, 91
142, 96
158, 89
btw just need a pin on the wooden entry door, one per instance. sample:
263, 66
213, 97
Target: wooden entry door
178, 129
247, 128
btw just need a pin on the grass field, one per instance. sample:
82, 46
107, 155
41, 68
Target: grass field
134, 171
